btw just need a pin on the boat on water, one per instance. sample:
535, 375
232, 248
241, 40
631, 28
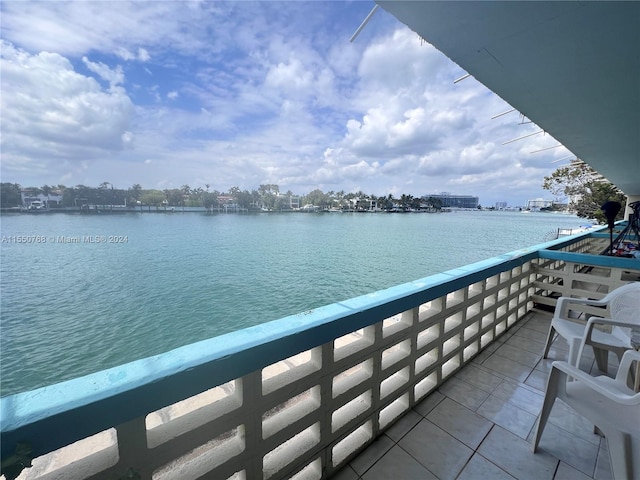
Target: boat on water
564, 232
309, 208
37, 206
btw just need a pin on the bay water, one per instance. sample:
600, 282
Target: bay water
81, 293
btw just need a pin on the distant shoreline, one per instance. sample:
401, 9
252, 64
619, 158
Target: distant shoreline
108, 210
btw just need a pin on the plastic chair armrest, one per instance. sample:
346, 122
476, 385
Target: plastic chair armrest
582, 301
593, 321
596, 385
588, 330
563, 305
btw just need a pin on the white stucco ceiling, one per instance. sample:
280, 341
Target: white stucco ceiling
571, 67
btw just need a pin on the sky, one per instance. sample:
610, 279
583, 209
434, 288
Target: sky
165, 94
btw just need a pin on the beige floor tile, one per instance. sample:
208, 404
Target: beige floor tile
429, 403
347, 473
464, 393
480, 377
544, 365
508, 416
603, 465
508, 367
570, 449
479, 468
481, 357
567, 472
460, 422
566, 418
372, 454
403, 425
398, 465
519, 355
538, 380
521, 396
531, 334
526, 344
439, 452
539, 323
513, 455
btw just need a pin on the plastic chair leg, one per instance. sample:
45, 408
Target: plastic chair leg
621, 455
574, 352
549, 399
602, 359
547, 346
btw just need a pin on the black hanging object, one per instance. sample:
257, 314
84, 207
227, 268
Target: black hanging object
610, 210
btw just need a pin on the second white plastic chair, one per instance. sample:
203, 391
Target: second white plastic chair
623, 307
609, 403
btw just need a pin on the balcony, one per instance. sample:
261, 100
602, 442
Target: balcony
478, 424
431, 379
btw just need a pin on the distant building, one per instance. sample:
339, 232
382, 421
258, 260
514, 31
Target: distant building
455, 201
291, 202
501, 205
53, 199
538, 203
364, 204
228, 203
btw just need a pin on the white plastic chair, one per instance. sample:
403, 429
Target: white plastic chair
611, 405
624, 310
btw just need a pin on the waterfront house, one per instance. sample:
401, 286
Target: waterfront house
437, 378
289, 202
51, 199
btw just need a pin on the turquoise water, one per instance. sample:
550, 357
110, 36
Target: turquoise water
68, 309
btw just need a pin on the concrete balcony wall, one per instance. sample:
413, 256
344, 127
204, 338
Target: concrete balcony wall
295, 398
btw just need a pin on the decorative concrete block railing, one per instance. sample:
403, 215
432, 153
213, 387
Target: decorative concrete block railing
567, 273
294, 398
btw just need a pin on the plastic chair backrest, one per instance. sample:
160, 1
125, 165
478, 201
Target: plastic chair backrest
625, 306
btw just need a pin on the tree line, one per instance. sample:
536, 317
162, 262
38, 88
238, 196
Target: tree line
265, 197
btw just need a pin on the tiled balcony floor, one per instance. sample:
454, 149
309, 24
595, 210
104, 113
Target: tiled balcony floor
479, 423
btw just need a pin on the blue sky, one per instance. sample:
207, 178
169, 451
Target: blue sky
240, 94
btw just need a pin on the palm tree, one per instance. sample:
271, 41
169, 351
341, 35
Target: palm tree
46, 190
136, 190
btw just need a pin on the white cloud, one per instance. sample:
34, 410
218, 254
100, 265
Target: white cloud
124, 54
55, 112
429, 134
127, 138
258, 93
290, 76
75, 28
113, 76
141, 54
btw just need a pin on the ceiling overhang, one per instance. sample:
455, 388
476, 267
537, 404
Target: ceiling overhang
573, 68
